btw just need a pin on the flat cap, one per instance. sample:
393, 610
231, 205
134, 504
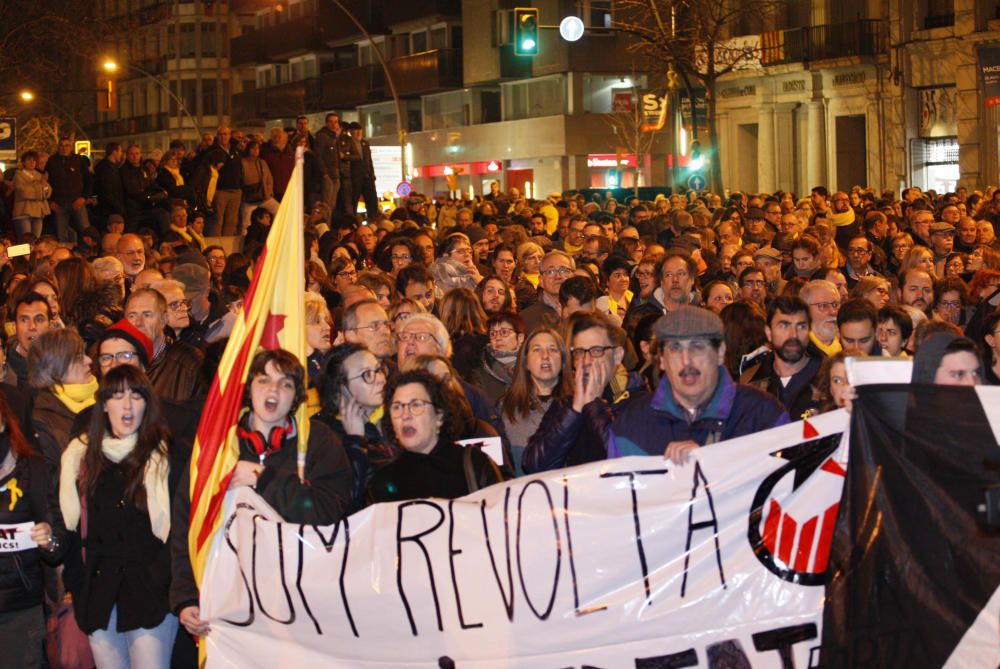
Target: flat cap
755, 213
768, 253
941, 226
689, 322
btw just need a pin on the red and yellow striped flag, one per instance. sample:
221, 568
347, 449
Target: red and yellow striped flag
273, 317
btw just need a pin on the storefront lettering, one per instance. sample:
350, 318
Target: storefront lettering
792, 86
849, 79
738, 91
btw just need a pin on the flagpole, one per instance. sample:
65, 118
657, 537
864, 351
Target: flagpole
303, 445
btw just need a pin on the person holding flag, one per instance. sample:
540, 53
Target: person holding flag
254, 418
268, 438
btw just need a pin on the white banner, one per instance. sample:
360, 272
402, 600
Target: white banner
632, 563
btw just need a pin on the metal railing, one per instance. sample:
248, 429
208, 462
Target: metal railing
865, 37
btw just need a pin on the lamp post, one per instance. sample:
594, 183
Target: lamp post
28, 97
400, 122
111, 66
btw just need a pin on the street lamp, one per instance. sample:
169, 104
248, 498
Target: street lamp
111, 66
28, 97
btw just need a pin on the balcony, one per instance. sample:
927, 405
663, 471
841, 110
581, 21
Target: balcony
866, 37
278, 42
130, 126
282, 101
427, 72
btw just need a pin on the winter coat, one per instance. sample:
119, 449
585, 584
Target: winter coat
567, 438
255, 170
108, 188
69, 177
21, 572
440, 473
322, 500
325, 148
367, 454
31, 194
796, 396
53, 422
645, 425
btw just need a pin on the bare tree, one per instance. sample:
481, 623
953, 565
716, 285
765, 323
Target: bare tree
630, 135
694, 40
39, 133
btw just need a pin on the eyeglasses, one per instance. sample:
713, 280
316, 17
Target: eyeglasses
123, 357
501, 332
415, 407
369, 375
462, 251
419, 337
950, 304
177, 305
826, 306
593, 351
858, 251
902, 247
557, 271
347, 274
402, 257
644, 272
374, 327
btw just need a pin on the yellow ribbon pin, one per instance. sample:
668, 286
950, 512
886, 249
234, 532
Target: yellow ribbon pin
15, 493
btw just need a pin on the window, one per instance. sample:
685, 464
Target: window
209, 97
939, 14
171, 42
208, 40
439, 38
189, 41
419, 41
446, 110
597, 13
533, 99
189, 94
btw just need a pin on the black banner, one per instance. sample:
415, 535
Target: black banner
912, 567
989, 66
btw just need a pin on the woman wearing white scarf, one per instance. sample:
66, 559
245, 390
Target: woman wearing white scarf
114, 493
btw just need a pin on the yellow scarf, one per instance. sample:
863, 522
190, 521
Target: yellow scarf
832, 349
188, 234
77, 396
842, 219
212, 180
176, 174
626, 300
532, 278
154, 480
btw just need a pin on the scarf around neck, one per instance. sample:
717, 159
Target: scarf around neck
154, 481
77, 396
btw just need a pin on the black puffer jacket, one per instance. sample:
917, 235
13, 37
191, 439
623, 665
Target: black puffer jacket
21, 572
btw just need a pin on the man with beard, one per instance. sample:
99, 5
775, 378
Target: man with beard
823, 301
843, 217
916, 289
788, 374
697, 402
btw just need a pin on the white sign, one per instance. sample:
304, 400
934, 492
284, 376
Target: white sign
14, 538
388, 163
633, 563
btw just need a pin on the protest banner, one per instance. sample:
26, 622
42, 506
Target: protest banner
632, 562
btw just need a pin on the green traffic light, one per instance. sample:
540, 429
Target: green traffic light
526, 31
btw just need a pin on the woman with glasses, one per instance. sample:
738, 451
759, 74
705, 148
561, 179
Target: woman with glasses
538, 378
951, 301
353, 393
899, 246
528, 273
875, 289
495, 371
343, 273
425, 418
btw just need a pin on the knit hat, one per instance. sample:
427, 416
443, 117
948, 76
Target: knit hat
689, 322
475, 234
123, 329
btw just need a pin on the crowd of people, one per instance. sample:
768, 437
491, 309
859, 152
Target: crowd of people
571, 329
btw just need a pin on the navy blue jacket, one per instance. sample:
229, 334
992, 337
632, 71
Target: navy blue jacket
646, 425
566, 438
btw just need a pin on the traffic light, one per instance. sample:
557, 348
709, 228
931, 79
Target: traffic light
526, 31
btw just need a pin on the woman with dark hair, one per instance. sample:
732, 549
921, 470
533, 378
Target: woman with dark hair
539, 377
396, 252
421, 417
644, 343
239, 267
75, 277
465, 320
991, 348
260, 226
60, 373
114, 493
26, 496
833, 391
352, 395
743, 324
268, 448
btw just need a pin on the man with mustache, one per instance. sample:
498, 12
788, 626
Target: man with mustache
916, 289
823, 300
696, 402
788, 373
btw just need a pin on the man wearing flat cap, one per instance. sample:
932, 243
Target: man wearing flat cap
697, 402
